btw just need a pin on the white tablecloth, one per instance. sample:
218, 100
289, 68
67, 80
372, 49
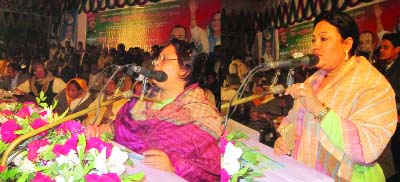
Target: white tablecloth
292, 171
151, 174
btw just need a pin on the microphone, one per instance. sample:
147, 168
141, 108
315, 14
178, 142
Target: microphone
308, 60
160, 76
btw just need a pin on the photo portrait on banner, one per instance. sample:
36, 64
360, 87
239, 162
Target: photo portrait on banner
68, 28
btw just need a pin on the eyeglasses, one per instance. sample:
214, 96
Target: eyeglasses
161, 60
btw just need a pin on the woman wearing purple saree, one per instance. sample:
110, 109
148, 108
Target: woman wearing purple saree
180, 134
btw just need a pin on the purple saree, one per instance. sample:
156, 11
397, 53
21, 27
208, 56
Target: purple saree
186, 130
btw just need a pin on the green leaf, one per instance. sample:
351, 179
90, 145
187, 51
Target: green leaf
78, 172
235, 177
256, 174
236, 136
21, 132
243, 171
88, 167
23, 177
64, 113
34, 116
133, 177
3, 146
38, 101
43, 104
9, 174
129, 162
250, 157
53, 169
49, 154
81, 146
55, 103
41, 95
106, 136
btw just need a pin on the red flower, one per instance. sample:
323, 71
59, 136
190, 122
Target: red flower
43, 113
72, 127
6, 113
8, 130
223, 142
69, 145
2, 168
39, 177
34, 146
24, 112
109, 177
224, 176
98, 144
37, 123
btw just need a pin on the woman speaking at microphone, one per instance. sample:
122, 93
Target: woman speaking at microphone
344, 114
179, 134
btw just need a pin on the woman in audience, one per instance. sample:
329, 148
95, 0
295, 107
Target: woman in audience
180, 133
345, 113
74, 98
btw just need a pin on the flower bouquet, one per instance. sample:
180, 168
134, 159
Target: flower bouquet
242, 163
61, 154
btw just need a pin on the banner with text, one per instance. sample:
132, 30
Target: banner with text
147, 25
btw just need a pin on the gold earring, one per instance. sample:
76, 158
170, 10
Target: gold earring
347, 56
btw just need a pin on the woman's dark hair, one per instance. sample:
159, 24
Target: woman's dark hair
183, 52
76, 84
210, 28
345, 24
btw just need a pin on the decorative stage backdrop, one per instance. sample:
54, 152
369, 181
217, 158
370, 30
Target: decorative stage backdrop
145, 26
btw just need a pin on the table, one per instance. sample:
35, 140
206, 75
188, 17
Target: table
292, 171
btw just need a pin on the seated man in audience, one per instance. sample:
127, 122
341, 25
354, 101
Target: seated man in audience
13, 77
265, 126
41, 81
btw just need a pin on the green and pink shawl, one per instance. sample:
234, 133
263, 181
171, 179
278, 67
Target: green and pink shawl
349, 140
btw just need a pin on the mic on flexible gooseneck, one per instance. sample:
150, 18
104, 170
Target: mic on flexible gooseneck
160, 76
308, 60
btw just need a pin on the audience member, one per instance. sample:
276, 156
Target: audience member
104, 59
13, 78
108, 113
41, 81
389, 65
74, 98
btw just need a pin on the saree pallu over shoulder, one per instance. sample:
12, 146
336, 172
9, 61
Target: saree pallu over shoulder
191, 106
186, 130
348, 141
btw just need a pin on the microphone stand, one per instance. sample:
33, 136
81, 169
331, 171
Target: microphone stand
94, 81
240, 91
102, 90
144, 88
